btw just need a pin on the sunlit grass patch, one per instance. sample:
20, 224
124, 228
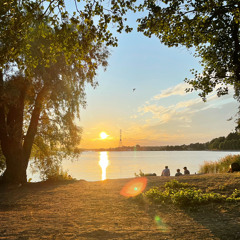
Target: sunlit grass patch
174, 184
184, 195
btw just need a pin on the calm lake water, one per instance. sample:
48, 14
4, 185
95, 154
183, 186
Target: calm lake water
125, 164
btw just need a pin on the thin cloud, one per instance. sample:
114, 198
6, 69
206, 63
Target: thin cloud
183, 110
182, 118
164, 114
188, 125
179, 89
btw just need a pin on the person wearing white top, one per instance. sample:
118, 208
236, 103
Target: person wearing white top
166, 171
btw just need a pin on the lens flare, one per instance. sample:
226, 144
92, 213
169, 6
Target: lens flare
134, 187
160, 224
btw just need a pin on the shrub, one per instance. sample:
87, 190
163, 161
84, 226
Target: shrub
155, 195
141, 174
236, 193
192, 196
57, 174
182, 194
235, 196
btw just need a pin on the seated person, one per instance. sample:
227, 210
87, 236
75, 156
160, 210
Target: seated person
234, 167
178, 173
166, 171
186, 171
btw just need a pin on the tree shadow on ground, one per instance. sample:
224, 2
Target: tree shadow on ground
12, 194
211, 221
223, 220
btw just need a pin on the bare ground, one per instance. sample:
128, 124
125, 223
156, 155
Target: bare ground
96, 210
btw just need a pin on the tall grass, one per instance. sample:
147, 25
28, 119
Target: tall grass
220, 166
56, 173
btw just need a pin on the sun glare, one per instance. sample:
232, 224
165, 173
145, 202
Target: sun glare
103, 162
103, 135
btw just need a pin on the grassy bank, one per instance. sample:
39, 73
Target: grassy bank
220, 166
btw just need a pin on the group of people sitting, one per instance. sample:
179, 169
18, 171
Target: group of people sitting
166, 172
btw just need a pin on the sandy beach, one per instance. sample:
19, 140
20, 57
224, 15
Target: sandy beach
96, 210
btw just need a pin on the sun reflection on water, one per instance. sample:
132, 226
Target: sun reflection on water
103, 162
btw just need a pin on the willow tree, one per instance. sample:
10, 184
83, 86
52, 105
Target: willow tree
211, 27
47, 58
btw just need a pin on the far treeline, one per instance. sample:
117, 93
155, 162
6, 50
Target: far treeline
231, 142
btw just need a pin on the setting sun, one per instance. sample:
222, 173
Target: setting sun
103, 135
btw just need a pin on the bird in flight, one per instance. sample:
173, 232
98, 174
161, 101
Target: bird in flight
134, 89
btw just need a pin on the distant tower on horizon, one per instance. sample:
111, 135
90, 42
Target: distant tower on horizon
120, 139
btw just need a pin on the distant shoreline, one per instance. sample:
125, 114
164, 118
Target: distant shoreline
114, 150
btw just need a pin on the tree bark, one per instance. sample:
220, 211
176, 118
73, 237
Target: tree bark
32, 129
17, 150
16, 169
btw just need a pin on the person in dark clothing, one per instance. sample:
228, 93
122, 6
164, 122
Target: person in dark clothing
234, 167
186, 171
178, 173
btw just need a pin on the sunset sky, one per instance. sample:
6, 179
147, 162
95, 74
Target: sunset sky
158, 112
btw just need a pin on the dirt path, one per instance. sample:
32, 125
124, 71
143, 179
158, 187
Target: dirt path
96, 210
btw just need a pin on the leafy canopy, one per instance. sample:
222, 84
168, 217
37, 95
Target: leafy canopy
211, 27
48, 55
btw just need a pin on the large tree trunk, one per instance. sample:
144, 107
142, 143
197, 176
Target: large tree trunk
16, 171
11, 130
15, 147
16, 162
